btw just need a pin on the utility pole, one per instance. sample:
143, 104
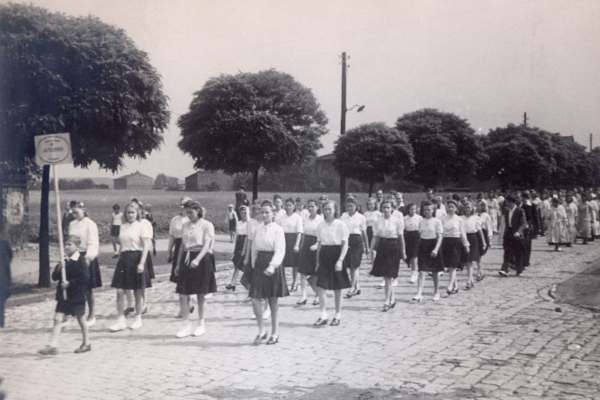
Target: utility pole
591, 136
525, 119
343, 127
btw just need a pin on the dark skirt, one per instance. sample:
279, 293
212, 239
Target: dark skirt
291, 259
176, 247
126, 276
308, 257
327, 277
452, 250
263, 286
474, 254
411, 238
150, 266
387, 260
426, 262
95, 280
232, 225
355, 251
246, 279
238, 260
482, 251
199, 280
369, 235
68, 308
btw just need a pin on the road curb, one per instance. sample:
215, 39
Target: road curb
19, 301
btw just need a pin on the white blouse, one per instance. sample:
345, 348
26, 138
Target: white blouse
487, 223
311, 225
397, 214
279, 213
454, 228
412, 223
196, 234
429, 228
269, 238
241, 227
472, 224
87, 230
356, 223
332, 234
389, 228
117, 219
290, 223
176, 227
132, 236
304, 213
251, 228
372, 216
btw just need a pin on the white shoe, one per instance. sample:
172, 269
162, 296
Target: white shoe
121, 325
267, 313
200, 330
382, 284
185, 332
414, 277
436, 297
395, 282
137, 324
91, 322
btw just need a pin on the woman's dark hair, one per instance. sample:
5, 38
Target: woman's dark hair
277, 196
455, 197
267, 203
425, 203
194, 205
336, 211
452, 201
311, 201
351, 200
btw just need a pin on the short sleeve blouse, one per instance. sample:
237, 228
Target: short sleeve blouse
196, 234
241, 227
453, 226
132, 236
176, 227
429, 228
332, 234
311, 225
356, 223
411, 224
472, 224
290, 223
372, 216
87, 230
389, 228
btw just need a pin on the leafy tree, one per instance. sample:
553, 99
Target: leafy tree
164, 181
77, 75
371, 151
251, 121
445, 146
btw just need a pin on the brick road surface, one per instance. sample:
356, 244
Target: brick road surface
501, 340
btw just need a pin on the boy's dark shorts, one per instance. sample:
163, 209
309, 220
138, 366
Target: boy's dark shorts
115, 230
75, 309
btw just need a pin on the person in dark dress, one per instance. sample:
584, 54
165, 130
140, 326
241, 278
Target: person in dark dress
431, 233
515, 224
533, 223
76, 286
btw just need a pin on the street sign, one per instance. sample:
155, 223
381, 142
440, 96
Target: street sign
53, 149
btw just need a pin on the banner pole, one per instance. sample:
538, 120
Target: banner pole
60, 232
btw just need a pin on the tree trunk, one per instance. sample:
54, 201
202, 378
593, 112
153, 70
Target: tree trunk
44, 273
371, 189
255, 185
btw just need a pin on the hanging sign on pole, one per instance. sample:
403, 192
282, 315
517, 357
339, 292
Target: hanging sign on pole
51, 150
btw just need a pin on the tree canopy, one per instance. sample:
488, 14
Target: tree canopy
251, 121
369, 152
445, 146
77, 75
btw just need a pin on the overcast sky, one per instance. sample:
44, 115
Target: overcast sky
486, 61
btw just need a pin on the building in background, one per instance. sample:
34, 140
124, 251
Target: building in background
135, 181
207, 181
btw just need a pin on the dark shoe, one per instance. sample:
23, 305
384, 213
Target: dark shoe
115, 256
455, 290
273, 340
503, 273
260, 338
335, 322
128, 311
294, 288
316, 302
230, 287
393, 304
386, 307
356, 292
348, 295
145, 310
48, 351
301, 302
191, 309
320, 322
480, 277
83, 349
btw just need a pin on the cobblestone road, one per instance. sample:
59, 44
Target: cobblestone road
503, 339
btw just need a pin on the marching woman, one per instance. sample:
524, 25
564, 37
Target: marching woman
175, 235
584, 219
557, 225
291, 222
411, 237
487, 228
87, 231
241, 233
472, 224
195, 266
389, 241
278, 211
131, 272
268, 279
371, 215
572, 216
431, 234
357, 242
452, 245
308, 253
253, 223
332, 239
493, 210
301, 208
595, 209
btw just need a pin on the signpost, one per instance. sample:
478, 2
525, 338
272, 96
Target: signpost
51, 150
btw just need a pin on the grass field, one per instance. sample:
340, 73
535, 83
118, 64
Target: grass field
164, 206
